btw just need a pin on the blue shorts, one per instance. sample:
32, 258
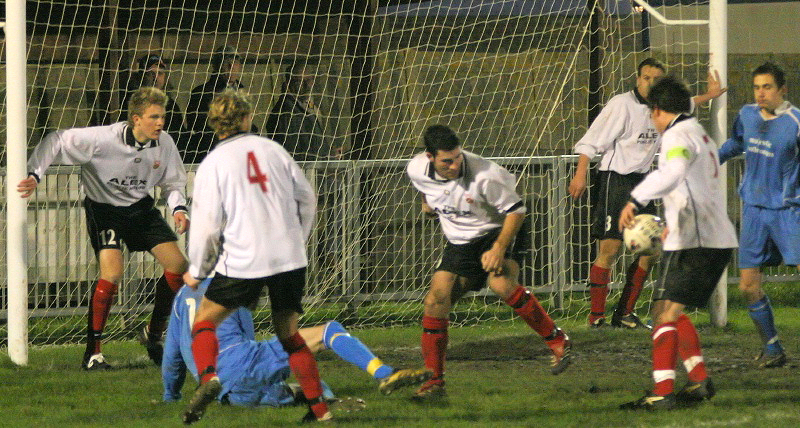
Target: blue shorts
262, 380
769, 237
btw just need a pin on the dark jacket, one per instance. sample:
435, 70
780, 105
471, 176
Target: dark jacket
195, 149
298, 129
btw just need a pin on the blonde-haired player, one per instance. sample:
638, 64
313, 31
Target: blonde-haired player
253, 210
120, 165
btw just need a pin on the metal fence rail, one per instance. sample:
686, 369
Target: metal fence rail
371, 241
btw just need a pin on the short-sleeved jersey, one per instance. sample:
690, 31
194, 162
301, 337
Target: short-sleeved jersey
115, 169
623, 134
772, 156
687, 181
471, 205
252, 211
240, 357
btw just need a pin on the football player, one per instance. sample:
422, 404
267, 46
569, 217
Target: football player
480, 213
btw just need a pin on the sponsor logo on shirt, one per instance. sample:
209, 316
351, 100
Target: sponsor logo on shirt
762, 147
648, 137
452, 211
156, 164
130, 182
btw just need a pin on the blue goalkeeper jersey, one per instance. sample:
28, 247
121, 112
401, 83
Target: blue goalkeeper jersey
772, 167
251, 372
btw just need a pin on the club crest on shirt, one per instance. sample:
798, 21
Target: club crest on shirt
137, 160
468, 198
156, 164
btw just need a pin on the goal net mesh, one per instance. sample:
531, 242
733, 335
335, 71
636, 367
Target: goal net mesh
350, 90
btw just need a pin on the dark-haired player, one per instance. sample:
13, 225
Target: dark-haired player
627, 141
698, 245
480, 213
120, 165
768, 133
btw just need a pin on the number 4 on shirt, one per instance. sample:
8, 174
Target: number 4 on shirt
254, 173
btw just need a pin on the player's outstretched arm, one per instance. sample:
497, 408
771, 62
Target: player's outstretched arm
714, 89
27, 186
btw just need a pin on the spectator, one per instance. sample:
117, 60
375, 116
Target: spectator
226, 66
294, 119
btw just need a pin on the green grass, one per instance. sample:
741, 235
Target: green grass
497, 376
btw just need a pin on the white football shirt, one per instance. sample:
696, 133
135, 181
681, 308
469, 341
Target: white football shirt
252, 210
114, 169
686, 179
623, 134
471, 205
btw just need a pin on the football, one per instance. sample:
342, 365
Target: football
644, 237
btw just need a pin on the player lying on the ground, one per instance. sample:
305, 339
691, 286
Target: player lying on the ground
254, 372
699, 241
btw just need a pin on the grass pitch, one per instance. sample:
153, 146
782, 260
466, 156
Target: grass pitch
497, 374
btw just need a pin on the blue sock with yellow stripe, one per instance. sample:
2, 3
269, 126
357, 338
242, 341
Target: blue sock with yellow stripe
761, 314
350, 349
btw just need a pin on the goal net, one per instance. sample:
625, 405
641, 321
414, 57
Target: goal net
349, 89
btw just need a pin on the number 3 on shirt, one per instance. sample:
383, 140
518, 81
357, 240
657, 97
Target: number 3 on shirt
254, 173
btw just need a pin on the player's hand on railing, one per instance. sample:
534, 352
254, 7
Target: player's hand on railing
191, 281
181, 222
577, 186
27, 186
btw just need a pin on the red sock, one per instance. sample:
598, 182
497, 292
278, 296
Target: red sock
102, 298
434, 344
598, 291
665, 354
528, 308
636, 282
174, 280
166, 287
304, 368
689, 349
204, 349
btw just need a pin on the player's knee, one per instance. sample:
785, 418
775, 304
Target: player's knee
437, 298
332, 329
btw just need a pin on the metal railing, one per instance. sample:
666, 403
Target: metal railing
371, 241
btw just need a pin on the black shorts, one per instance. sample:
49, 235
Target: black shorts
690, 276
614, 192
465, 259
140, 225
285, 290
